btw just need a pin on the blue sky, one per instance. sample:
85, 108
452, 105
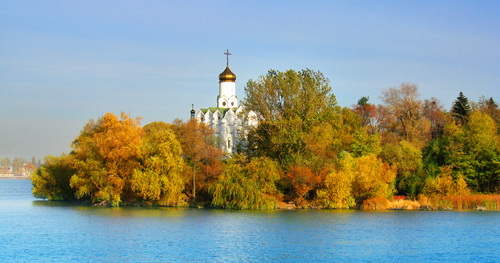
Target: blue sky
65, 62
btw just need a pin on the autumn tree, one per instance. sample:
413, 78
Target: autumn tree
434, 111
199, 149
372, 178
405, 109
445, 185
106, 154
337, 188
490, 107
355, 180
159, 178
367, 112
247, 184
115, 161
302, 180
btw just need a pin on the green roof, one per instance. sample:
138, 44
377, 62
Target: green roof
223, 111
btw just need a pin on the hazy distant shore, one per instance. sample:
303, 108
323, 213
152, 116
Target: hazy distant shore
15, 177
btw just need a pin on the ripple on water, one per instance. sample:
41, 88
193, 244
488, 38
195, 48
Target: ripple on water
34, 231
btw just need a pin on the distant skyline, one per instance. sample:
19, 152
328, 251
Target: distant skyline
65, 62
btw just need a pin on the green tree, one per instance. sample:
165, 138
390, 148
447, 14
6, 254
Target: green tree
288, 104
407, 158
482, 145
51, 180
364, 143
247, 185
461, 108
472, 150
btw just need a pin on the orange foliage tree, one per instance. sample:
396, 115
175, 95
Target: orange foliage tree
302, 180
106, 153
201, 155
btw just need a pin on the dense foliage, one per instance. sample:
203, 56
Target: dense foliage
305, 151
247, 184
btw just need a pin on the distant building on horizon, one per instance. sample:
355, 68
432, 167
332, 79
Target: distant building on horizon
228, 119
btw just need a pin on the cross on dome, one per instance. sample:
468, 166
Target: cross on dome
227, 56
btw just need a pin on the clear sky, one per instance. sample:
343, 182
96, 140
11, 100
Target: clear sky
65, 62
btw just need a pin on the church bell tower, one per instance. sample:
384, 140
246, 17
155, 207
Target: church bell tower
227, 87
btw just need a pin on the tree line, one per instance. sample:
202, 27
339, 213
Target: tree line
18, 166
306, 150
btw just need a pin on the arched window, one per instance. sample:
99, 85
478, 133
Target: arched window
229, 144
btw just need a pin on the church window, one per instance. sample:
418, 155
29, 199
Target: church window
229, 144
232, 103
224, 103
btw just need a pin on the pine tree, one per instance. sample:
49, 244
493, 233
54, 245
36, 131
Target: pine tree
461, 108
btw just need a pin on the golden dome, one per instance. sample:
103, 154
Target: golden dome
227, 76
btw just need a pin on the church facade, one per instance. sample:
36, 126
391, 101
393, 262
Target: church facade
228, 119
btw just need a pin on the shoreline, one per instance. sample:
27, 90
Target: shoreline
15, 177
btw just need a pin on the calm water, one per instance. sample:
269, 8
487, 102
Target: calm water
41, 231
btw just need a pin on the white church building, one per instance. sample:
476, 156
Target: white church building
228, 119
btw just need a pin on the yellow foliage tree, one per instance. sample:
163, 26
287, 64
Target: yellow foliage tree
160, 178
337, 186
444, 185
356, 180
372, 178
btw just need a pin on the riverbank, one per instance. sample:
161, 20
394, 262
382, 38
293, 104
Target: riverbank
15, 177
437, 203
489, 202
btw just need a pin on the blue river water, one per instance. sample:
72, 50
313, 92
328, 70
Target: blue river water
41, 231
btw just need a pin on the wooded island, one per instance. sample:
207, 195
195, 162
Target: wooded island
306, 151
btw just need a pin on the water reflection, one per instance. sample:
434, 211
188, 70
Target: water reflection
71, 232
135, 212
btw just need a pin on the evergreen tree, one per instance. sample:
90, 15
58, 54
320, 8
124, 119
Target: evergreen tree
461, 108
